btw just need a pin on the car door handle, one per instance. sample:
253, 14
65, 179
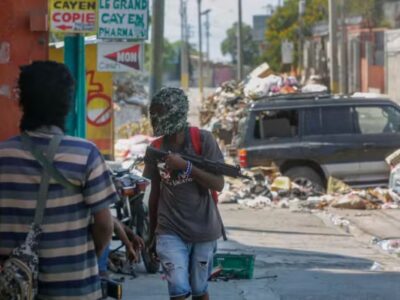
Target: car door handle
368, 145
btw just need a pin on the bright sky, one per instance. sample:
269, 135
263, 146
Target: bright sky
223, 14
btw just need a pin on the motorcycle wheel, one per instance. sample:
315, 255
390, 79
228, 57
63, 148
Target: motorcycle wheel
152, 266
142, 226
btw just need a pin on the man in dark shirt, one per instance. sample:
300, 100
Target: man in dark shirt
183, 216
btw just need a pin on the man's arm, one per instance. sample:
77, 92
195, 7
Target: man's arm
121, 234
153, 199
205, 179
102, 229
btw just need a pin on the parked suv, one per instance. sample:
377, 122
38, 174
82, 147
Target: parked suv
312, 137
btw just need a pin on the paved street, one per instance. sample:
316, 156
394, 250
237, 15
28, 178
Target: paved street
298, 256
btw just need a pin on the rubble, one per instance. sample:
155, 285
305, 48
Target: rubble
274, 190
222, 112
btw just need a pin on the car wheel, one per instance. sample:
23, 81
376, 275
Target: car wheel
306, 177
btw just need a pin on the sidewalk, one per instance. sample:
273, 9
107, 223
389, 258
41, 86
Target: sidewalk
366, 226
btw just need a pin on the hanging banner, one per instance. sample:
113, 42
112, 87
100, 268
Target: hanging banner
73, 16
123, 19
287, 50
120, 57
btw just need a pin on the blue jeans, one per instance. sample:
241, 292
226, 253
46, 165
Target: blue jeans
187, 266
103, 259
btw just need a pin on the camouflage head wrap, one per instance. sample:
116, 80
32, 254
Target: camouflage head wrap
174, 118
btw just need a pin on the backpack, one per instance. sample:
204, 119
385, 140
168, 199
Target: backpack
19, 274
194, 133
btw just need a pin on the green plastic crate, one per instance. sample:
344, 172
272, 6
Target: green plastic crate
240, 266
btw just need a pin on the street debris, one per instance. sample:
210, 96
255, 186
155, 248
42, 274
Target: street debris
223, 111
274, 190
268, 188
391, 246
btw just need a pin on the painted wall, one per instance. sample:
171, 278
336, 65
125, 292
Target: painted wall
23, 38
99, 127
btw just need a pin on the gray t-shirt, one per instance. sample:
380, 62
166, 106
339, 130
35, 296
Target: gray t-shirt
185, 208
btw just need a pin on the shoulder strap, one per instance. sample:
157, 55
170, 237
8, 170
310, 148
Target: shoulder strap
196, 139
157, 143
44, 184
46, 164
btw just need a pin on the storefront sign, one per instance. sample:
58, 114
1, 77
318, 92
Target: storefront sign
123, 19
73, 16
120, 57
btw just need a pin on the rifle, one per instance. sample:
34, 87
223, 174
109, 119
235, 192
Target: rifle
207, 165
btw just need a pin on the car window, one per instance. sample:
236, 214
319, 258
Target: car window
276, 124
337, 120
312, 122
376, 119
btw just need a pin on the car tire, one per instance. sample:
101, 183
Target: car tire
302, 175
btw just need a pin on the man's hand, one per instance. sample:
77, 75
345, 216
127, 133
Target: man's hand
174, 162
137, 242
132, 255
151, 248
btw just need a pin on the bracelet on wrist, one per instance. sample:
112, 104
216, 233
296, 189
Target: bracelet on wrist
188, 169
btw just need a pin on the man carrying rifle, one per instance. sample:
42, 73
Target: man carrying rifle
184, 220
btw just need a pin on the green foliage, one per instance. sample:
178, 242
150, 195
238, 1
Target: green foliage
250, 49
370, 10
168, 55
285, 25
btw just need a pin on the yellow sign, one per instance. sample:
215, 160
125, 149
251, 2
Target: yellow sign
99, 109
73, 16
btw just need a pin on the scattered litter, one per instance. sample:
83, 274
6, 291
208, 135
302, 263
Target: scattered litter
259, 202
392, 246
377, 267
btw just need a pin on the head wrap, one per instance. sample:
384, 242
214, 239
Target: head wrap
174, 117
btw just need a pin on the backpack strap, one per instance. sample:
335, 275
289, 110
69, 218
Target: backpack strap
196, 139
44, 183
196, 142
157, 143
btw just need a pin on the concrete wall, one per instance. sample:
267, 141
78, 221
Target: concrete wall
392, 38
23, 38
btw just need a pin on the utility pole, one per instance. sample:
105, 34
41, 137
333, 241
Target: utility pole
302, 9
184, 47
157, 45
200, 53
333, 46
207, 25
240, 44
343, 50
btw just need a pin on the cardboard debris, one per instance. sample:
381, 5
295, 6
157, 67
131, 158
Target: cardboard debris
336, 186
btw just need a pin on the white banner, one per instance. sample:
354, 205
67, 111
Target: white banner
120, 57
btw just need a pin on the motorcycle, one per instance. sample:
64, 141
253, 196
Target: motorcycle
132, 206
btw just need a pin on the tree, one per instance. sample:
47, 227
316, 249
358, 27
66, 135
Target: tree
370, 10
168, 55
250, 49
284, 25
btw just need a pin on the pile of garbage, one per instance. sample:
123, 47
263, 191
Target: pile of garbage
274, 190
130, 89
222, 112
130, 109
